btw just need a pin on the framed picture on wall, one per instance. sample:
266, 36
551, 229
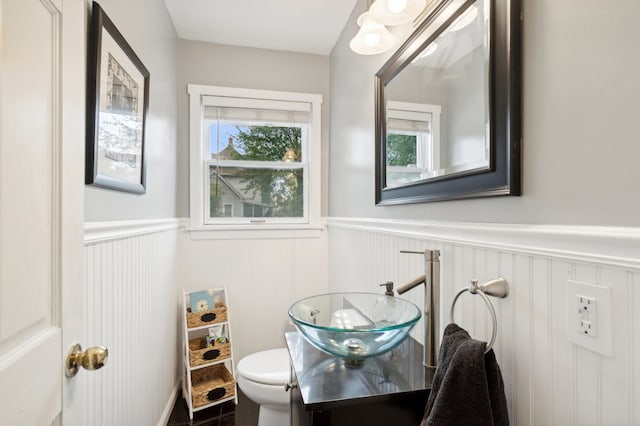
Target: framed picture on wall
117, 103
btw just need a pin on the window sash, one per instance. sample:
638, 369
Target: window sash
304, 143
248, 112
274, 165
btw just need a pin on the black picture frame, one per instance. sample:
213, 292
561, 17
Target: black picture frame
503, 177
117, 104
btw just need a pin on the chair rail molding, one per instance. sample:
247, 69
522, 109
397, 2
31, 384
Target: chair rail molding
99, 232
615, 246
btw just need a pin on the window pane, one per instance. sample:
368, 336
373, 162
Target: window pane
401, 150
236, 141
256, 192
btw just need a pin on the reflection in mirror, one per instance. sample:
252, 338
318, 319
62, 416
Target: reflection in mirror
452, 75
436, 133
413, 141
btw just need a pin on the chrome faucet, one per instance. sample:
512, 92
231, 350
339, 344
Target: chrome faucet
431, 280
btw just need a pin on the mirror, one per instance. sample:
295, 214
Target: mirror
448, 107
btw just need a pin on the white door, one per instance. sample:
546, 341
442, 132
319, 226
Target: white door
41, 210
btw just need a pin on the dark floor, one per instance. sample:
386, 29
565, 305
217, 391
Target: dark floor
225, 414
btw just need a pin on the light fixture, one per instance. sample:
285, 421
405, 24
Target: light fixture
290, 156
396, 12
372, 38
465, 19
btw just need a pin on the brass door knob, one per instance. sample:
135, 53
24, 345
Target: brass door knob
91, 359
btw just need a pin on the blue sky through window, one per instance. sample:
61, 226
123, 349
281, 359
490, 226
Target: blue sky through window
225, 131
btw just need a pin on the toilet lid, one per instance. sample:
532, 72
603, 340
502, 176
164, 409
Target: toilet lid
269, 367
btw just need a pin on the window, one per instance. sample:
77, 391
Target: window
413, 142
255, 157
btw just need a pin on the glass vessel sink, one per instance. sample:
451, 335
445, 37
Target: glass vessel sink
354, 326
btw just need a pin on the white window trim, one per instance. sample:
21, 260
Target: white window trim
198, 160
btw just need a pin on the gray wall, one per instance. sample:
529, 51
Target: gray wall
221, 65
146, 26
581, 100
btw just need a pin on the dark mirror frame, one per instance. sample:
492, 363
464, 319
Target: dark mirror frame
504, 174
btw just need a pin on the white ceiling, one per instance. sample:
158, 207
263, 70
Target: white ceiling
310, 26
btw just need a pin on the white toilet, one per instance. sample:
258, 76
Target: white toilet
262, 377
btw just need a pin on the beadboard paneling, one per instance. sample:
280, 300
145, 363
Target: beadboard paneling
263, 277
548, 379
131, 299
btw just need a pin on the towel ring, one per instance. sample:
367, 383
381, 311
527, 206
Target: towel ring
497, 287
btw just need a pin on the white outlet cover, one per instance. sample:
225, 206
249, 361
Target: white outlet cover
587, 315
601, 344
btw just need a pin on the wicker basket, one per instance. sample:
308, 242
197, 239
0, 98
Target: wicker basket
210, 384
200, 354
208, 317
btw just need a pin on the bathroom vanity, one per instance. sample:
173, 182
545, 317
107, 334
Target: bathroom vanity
390, 389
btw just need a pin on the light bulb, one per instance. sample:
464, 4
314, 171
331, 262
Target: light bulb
396, 12
396, 6
371, 39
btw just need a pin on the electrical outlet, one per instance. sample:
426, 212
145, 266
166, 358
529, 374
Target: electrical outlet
587, 316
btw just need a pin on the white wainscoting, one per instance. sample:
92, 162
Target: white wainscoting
263, 275
548, 380
131, 300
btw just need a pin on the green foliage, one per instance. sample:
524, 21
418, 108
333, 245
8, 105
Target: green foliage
280, 189
267, 143
401, 150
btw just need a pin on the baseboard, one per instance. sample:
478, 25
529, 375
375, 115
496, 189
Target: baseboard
166, 413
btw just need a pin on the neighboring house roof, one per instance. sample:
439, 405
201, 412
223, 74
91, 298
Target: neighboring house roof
228, 153
232, 188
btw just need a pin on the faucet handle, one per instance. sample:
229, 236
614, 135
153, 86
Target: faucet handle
389, 290
412, 251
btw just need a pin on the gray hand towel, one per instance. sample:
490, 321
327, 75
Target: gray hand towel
467, 386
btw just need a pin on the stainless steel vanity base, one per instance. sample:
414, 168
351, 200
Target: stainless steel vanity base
390, 389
